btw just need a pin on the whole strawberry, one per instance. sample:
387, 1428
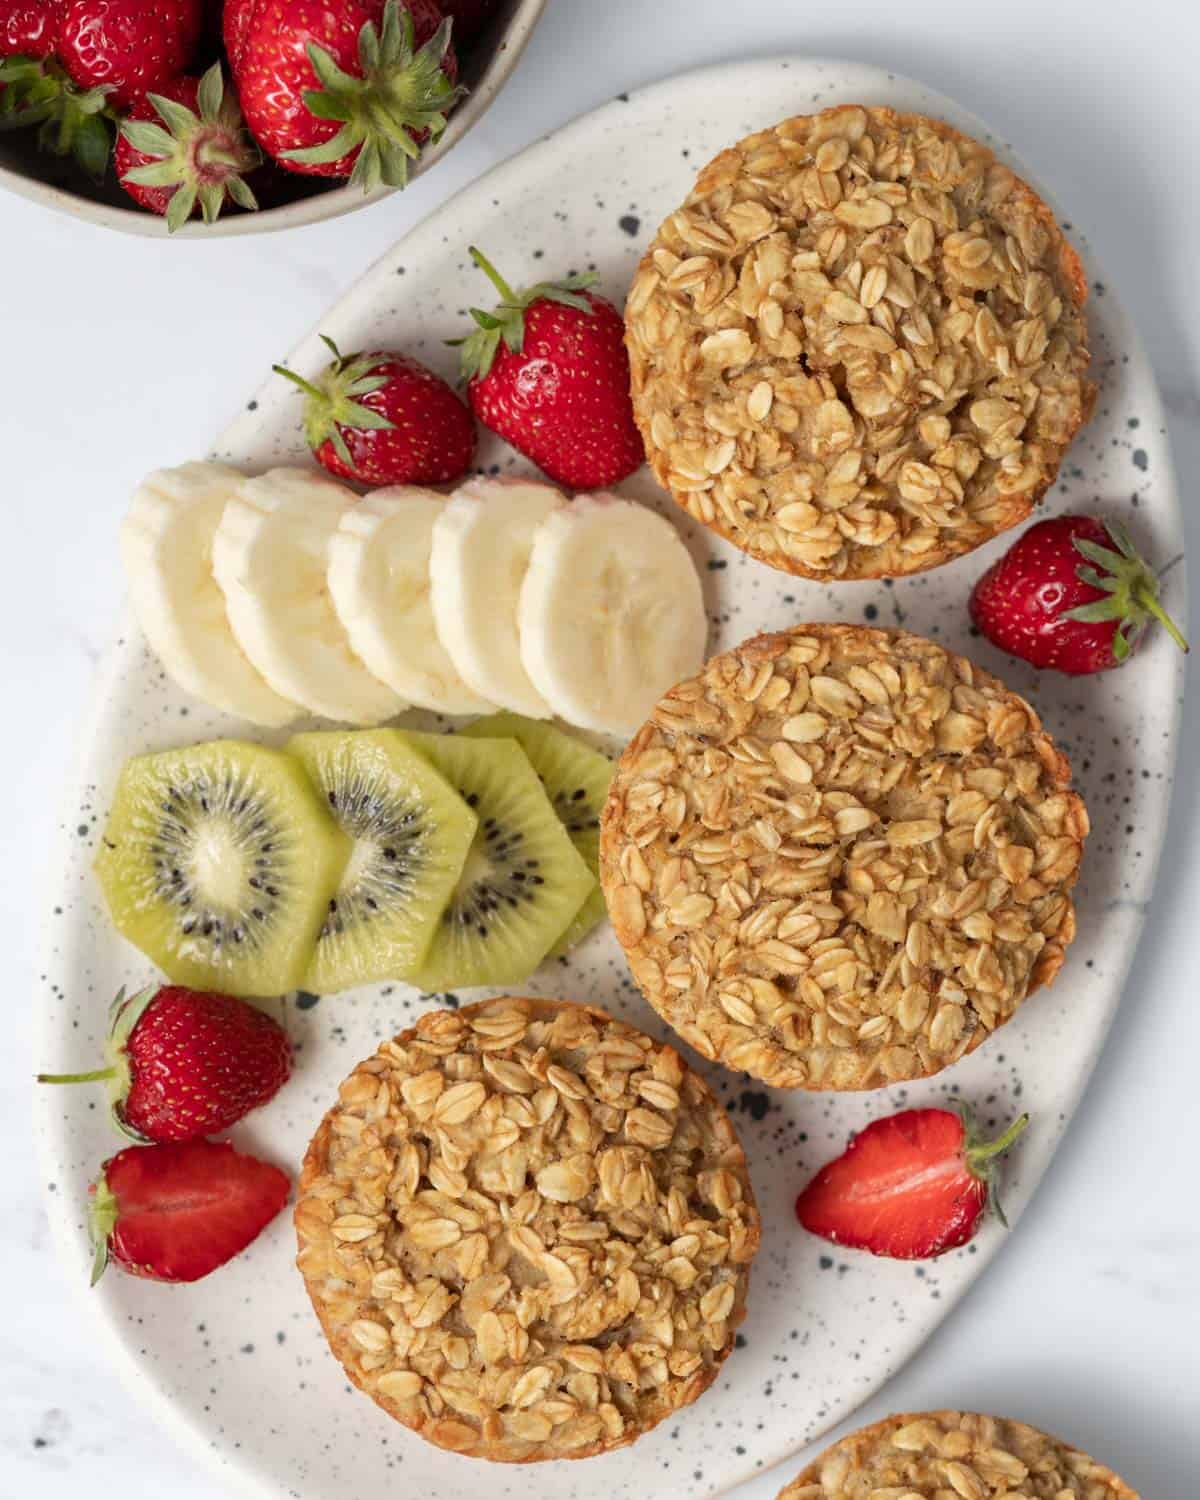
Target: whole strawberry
175, 1212
183, 1063
36, 91
548, 371
382, 418
1071, 593
128, 47
910, 1186
350, 90
183, 149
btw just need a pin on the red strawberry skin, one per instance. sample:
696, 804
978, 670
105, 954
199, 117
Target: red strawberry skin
130, 46
29, 28
267, 42
185, 1208
157, 199
198, 1062
1020, 601
563, 400
432, 437
902, 1189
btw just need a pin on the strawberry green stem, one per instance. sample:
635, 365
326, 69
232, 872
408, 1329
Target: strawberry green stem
305, 385
98, 1075
987, 1150
1149, 601
507, 295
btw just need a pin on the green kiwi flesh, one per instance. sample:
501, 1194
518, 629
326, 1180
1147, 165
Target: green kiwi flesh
218, 862
576, 779
523, 880
410, 834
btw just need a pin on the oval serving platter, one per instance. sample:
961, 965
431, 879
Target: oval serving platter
235, 1366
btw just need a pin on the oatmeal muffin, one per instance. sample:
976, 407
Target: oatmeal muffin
858, 349
840, 858
527, 1229
950, 1453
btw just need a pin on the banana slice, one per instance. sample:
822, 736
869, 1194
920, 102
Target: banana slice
379, 581
271, 558
611, 613
166, 549
481, 546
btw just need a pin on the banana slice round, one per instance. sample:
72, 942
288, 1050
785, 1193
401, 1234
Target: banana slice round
379, 581
611, 613
481, 546
166, 549
271, 559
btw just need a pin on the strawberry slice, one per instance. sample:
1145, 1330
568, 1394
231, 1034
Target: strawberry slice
910, 1186
177, 1211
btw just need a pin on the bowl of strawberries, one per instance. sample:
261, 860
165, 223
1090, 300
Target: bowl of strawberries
200, 117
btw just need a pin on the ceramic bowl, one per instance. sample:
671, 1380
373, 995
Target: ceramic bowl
58, 184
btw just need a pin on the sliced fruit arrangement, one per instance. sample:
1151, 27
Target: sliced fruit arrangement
270, 556
910, 1186
1071, 593
523, 881
176, 1211
269, 596
610, 607
219, 862
379, 580
445, 861
482, 543
354, 89
166, 548
548, 370
183, 1063
382, 418
576, 779
411, 833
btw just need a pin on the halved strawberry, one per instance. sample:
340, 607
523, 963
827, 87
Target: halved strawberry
175, 1212
910, 1186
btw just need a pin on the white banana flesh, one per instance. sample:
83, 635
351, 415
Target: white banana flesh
166, 549
271, 559
611, 613
481, 548
379, 582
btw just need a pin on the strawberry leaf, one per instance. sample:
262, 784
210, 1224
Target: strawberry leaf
401, 98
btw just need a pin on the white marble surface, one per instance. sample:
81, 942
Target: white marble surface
120, 354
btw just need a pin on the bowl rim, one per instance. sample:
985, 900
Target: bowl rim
312, 210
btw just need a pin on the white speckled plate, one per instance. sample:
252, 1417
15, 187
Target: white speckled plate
235, 1365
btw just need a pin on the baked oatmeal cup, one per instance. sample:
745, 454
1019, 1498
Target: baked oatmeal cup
840, 858
931, 1455
858, 348
526, 1229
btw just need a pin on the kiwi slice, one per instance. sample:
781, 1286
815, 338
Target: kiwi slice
576, 779
411, 832
218, 862
523, 880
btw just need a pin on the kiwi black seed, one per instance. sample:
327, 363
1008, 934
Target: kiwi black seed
576, 779
409, 832
218, 861
522, 881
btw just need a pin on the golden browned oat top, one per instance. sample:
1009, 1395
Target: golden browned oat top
858, 349
943, 1454
841, 857
526, 1229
